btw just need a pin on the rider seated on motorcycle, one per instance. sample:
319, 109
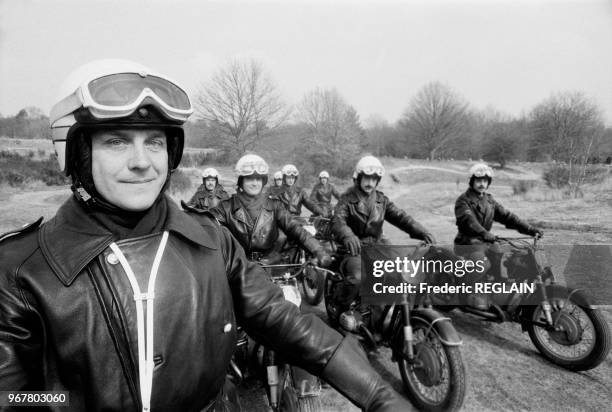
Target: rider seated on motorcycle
292, 196
277, 184
210, 192
476, 210
322, 194
254, 218
358, 220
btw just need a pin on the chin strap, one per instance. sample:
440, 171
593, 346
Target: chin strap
145, 345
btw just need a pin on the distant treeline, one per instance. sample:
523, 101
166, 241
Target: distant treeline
28, 123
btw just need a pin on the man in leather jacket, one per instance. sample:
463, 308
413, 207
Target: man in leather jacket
126, 302
475, 211
277, 184
254, 218
210, 192
293, 196
358, 219
322, 193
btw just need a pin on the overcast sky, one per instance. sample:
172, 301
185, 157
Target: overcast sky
506, 54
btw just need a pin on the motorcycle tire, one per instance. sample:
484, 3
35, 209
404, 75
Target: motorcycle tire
560, 346
313, 285
441, 387
291, 402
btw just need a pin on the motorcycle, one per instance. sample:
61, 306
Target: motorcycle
561, 322
289, 388
311, 279
424, 344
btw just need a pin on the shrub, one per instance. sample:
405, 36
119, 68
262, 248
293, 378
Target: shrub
522, 186
18, 171
14, 179
557, 175
180, 182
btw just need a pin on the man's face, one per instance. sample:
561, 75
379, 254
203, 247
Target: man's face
289, 180
129, 166
368, 183
481, 184
252, 185
210, 183
278, 182
323, 181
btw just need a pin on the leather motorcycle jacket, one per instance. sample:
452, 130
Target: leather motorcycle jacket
475, 215
69, 318
294, 197
261, 235
323, 193
205, 199
353, 215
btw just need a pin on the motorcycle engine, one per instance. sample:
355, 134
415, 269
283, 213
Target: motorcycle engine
350, 320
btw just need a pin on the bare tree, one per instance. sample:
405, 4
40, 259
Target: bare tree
435, 117
503, 141
241, 105
568, 126
333, 132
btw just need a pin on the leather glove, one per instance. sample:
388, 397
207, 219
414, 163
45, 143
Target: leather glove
429, 238
323, 259
489, 237
351, 374
353, 245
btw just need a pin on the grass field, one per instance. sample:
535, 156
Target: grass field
504, 370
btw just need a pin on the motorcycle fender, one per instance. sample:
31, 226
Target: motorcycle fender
555, 291
441, 325
304, 383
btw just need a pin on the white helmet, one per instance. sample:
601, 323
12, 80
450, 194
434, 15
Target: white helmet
290, 170
481, 170
117, 93
369, 165
324, 174
210, 172
278, 175
252, 165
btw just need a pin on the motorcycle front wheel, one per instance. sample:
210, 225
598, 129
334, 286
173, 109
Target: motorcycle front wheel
313, 283
435, 379
580, 340
291, 402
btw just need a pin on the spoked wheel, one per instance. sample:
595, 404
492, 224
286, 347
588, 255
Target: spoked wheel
579, 340
291, 402
313, 282
435, 379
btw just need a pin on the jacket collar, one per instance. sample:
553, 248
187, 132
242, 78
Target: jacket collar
72, 239
353, 195
471, 193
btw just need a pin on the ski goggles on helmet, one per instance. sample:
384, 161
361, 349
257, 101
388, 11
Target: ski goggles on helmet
482, 171
373, 170
119, 95
291, 171
247, 169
